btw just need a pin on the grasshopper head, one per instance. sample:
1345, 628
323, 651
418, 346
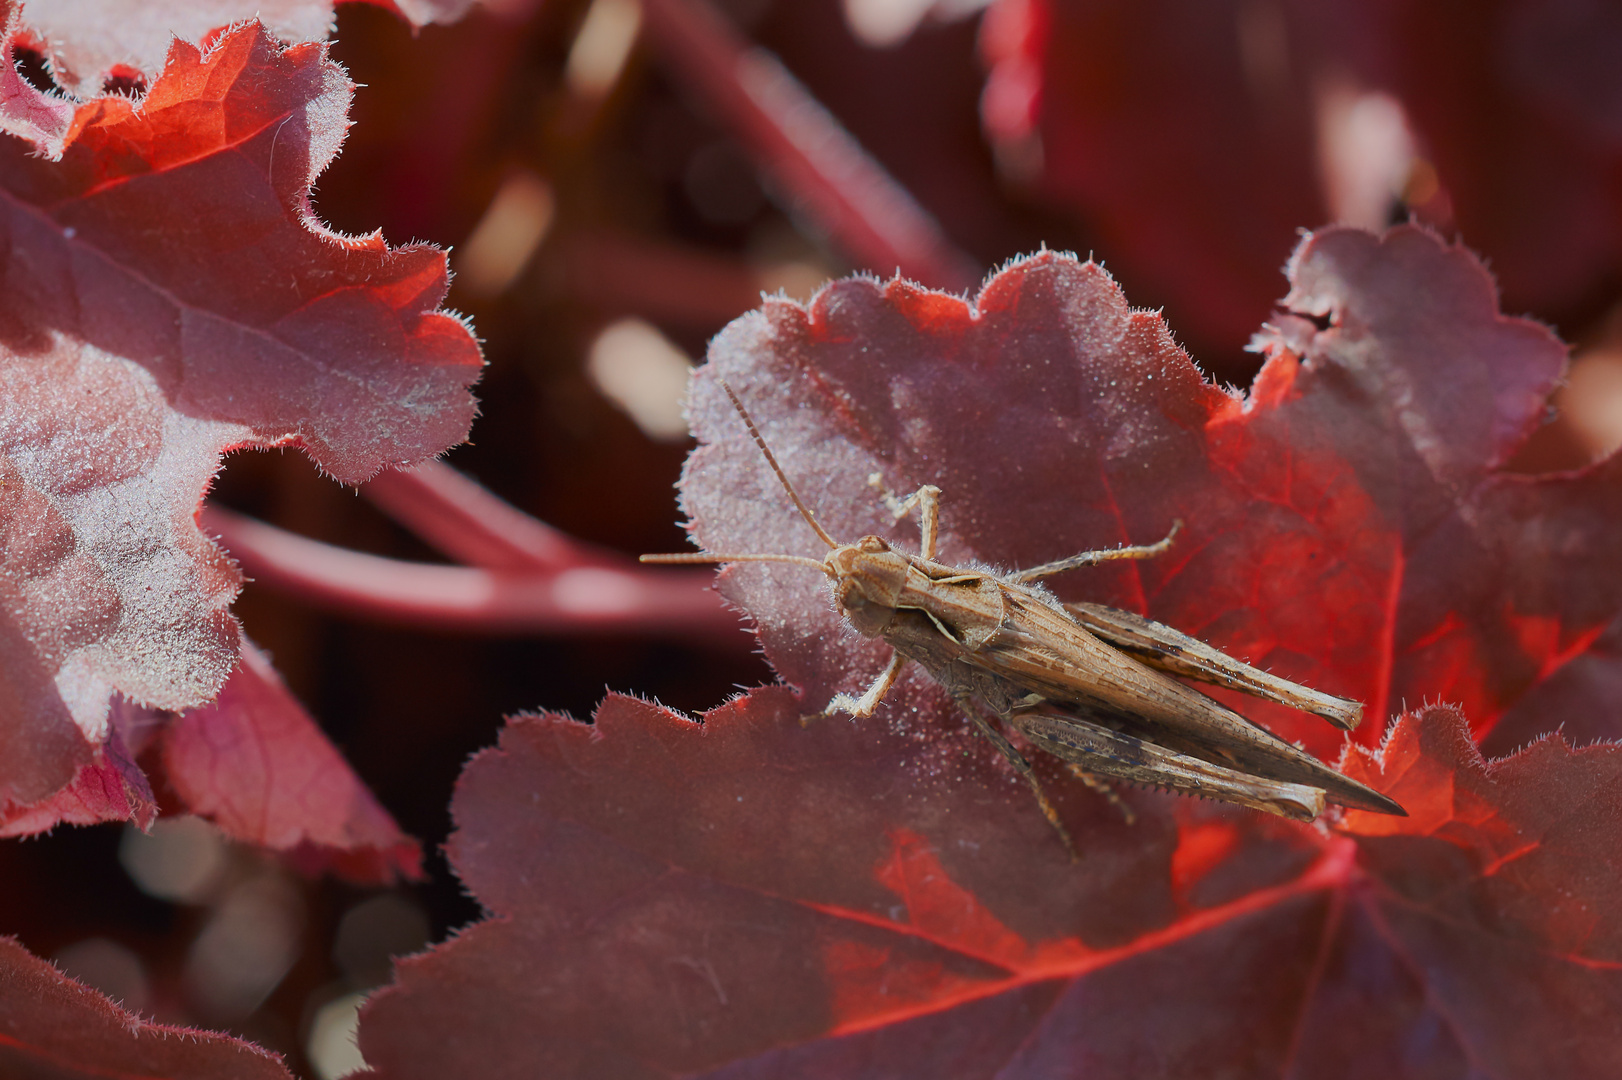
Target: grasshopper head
867, 579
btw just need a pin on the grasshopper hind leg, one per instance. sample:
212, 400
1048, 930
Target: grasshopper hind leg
928, 501
1023, 767
1092, 558
1103, 787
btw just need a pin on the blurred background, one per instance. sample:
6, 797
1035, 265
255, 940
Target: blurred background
621, 178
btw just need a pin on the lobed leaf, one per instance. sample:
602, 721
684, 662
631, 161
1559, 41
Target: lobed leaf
256, 764
1193, 139
90, 43
1345, 525
168, 296
746, 898
52, 1026
749, 897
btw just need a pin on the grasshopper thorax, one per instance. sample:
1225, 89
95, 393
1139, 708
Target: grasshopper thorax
867, 579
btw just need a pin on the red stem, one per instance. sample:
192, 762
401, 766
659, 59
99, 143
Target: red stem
463, 520
803, 147
566, 599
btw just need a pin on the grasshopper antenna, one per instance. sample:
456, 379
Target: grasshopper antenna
782, 477
721, 557
771, 459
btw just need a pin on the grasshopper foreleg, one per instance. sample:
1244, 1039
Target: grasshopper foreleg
864, 705
965, 701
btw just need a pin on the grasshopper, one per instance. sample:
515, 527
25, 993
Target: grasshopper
1088, 684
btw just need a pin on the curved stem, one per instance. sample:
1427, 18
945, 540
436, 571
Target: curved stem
464, 521
810, 155
579, 598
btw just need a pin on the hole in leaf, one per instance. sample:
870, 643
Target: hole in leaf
124, 81
31, 65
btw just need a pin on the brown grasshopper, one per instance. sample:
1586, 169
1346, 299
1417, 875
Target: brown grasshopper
1090, 685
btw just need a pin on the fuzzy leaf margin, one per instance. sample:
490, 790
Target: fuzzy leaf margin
170, 296
53, 1026
747, 897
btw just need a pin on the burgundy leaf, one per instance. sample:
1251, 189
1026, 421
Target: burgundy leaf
754, 897
1122, 99
1584, 698
255, 763
749, 898
169, 295
91, 42
111, 787
1518, 103
1344, 525
1194, 138
52, 1026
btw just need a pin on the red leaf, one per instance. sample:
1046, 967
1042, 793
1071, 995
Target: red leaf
1191, 136
749, 898
1344, 523
256, 765
169, 295
24, 111
1518, 105
1122, 100
1499, 897
51, 1026
87, 43
1584, 698
671, 899
111, 787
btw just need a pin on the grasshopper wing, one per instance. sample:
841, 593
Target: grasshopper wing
1041, 647
1165, 649
1098, 749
